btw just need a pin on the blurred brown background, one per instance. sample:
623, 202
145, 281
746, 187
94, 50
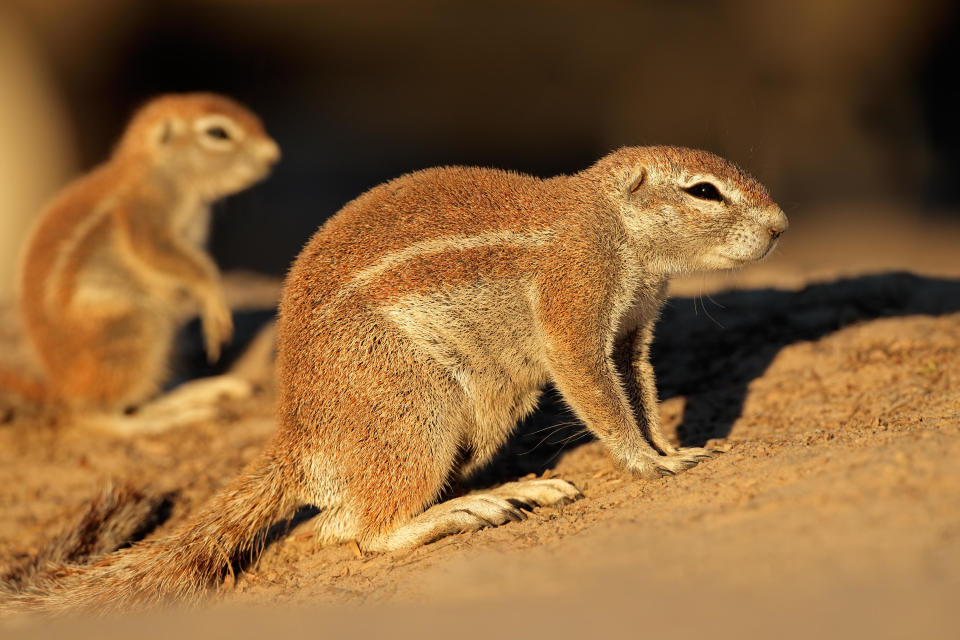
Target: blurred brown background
849, 101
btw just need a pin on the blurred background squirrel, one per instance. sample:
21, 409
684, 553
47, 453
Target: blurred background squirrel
117, 262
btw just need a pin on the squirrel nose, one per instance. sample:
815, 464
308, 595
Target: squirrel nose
777, 224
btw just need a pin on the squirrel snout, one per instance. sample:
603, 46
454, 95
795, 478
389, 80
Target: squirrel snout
269, 151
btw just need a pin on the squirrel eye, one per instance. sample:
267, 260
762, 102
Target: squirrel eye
218, 132
704, 191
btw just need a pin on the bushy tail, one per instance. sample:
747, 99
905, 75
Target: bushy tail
179, 567
118, 516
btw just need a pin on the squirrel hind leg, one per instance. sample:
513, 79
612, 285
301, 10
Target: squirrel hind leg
107, 362
506, 503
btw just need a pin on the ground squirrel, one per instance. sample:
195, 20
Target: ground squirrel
108, 263
420, 323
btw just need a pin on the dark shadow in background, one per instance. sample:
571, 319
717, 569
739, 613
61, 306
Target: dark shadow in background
939, 99
712, 359
190, 360
314, 88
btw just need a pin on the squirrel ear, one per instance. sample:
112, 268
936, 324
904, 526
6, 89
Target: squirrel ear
638, 177
166, 132
161, 134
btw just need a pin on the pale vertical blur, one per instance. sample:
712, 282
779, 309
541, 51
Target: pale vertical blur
36, 143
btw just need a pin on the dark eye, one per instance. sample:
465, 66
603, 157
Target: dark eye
218, 132
704, 191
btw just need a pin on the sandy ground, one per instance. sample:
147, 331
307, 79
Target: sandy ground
829, 376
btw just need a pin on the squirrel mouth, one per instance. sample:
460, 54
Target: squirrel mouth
737, 261
741, 260
769, 249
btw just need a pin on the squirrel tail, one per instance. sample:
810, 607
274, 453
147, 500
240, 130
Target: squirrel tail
231, 527
118, 516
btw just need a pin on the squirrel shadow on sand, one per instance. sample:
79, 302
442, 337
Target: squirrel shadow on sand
710, 357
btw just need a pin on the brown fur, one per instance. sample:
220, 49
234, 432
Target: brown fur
106, 268
420, 323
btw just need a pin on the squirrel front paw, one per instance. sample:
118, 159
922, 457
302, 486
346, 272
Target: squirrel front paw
217, 327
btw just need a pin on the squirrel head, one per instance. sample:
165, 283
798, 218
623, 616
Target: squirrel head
203, 141
690, 210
